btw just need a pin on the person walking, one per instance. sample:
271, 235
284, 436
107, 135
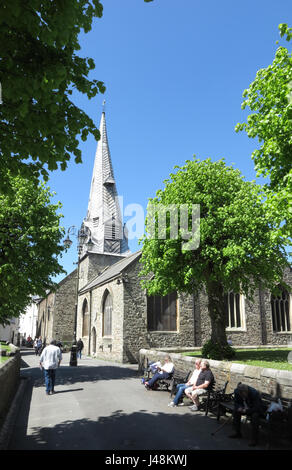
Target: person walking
49, 361
35, 345
79, 348
39, 345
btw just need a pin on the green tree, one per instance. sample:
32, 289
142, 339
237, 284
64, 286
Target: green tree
39, 69
269, 97
239, 247
30, 242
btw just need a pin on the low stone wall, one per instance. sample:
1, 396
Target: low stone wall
9, 380
264, 380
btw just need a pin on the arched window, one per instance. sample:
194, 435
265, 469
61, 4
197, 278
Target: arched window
85, 318
162, 312
107, 314
281, 315
93, 336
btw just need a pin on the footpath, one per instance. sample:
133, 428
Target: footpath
102, 405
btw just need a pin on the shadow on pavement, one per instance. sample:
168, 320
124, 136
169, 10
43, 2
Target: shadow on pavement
66, 375
69, 390
136, 431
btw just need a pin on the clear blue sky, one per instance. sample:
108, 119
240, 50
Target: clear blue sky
174, 73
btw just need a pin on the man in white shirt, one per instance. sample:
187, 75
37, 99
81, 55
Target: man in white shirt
163, 372
182, 387
49, 361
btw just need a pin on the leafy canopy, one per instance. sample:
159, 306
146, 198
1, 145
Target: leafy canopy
239, 245
269, 97
30, 242
39, 69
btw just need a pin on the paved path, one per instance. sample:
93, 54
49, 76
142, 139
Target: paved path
103, 405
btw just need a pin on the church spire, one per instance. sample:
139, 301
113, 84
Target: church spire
104, 214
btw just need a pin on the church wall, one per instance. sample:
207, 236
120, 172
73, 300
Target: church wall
58, 322
249, 334
279, 338
110, 348
257, 328
64, 310
46, 317
136, 334
93, 264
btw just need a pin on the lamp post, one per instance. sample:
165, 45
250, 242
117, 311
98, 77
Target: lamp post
84, 238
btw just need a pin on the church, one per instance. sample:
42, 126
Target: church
114, 316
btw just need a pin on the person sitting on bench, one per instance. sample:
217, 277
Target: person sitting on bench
182, 387
247, 400
203, 384
163, 372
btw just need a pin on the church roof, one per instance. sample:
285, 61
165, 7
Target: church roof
111, 272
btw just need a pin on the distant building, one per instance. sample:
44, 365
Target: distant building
116, 318
28, 320
10, 332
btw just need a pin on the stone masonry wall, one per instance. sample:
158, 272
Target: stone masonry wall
136, 334
64, 309
257, 328
93, 264
46, 317
263, 379
249, 334
106, 347
9, 380
272, 337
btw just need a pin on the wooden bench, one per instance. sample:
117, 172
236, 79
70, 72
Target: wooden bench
178, 376
276, 423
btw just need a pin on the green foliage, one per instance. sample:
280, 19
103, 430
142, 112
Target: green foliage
30, 241
269, 97
217, 351
39, 69
239, 246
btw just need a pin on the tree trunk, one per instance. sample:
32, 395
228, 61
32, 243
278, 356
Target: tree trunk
216, 310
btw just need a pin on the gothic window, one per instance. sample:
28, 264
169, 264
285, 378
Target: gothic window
281, 314
162, 312
93, 336
85, 318
107, 314
234, 310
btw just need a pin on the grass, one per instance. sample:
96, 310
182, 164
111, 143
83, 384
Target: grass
269, 358
5, 347
4, 359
